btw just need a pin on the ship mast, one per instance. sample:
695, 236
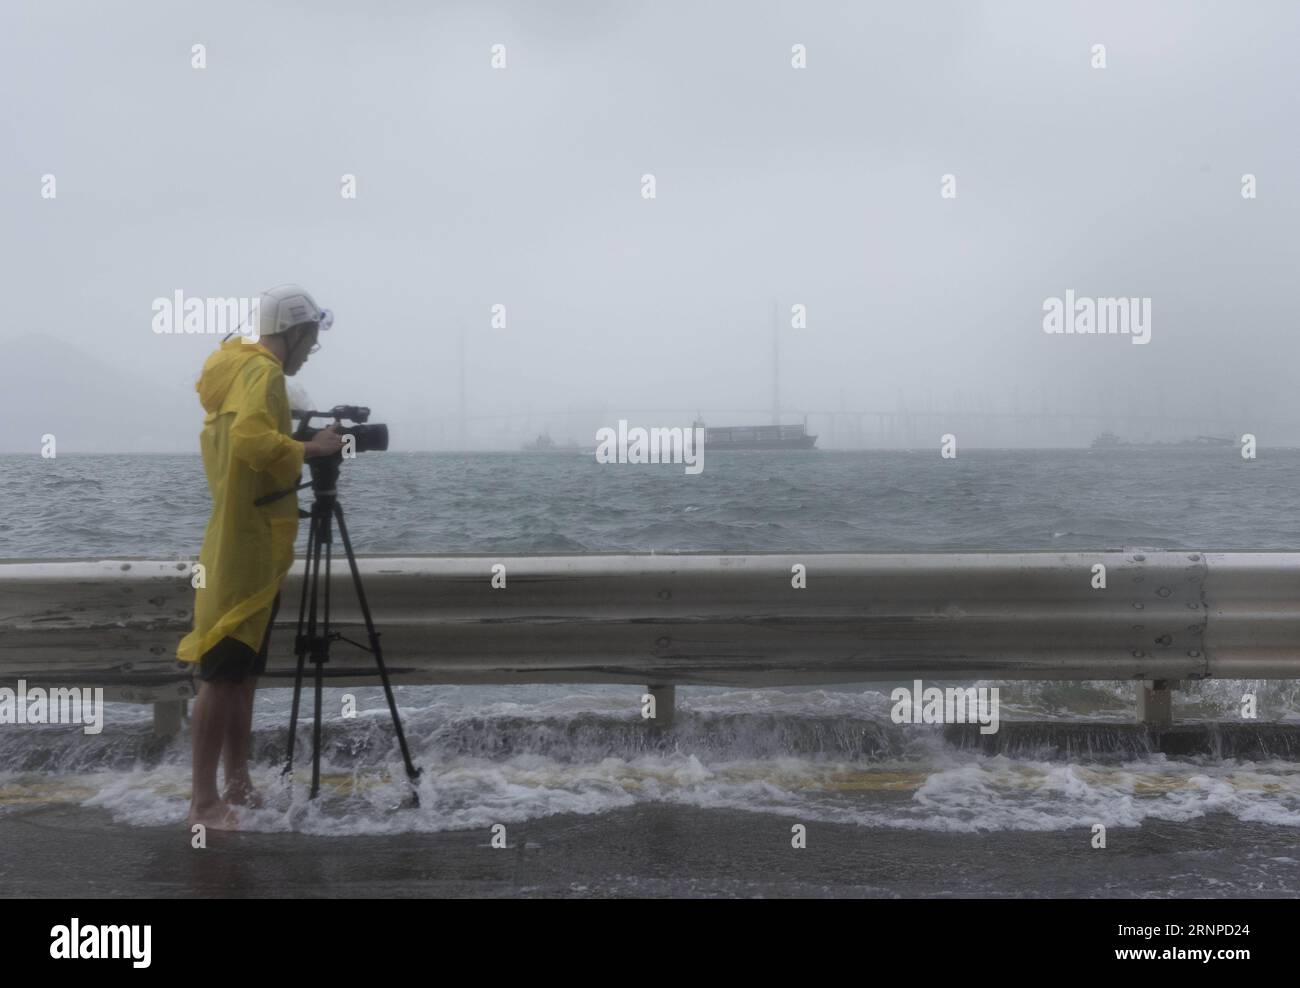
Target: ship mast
776, 369
463, 418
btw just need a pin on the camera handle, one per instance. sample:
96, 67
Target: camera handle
270, 498
321, 467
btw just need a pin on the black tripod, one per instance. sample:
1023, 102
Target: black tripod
314, 638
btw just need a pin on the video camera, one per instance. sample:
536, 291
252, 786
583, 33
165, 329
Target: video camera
366, 438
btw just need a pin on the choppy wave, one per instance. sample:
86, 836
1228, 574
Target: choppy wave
996, 500
517, 753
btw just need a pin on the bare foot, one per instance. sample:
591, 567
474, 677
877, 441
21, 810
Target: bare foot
242, 794
215, 816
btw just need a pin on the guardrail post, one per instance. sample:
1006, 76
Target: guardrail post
665, 698
167, 717
1155, 702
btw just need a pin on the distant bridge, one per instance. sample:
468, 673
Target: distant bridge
846, 428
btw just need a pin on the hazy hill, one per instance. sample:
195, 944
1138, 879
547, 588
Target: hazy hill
50, 386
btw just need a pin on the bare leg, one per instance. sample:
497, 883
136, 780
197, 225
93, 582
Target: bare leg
238, 739
208, 725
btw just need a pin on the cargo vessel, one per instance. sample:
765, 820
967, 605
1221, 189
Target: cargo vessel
1109, 441
755, 437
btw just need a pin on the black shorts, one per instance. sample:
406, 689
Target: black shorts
230, 660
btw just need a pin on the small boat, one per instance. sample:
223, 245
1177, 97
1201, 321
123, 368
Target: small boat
545, 444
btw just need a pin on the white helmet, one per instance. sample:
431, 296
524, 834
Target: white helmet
285, 306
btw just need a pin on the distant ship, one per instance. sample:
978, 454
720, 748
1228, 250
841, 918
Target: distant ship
545, 444
1109, 441
756, 437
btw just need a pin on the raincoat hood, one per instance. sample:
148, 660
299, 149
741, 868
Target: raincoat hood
223, 368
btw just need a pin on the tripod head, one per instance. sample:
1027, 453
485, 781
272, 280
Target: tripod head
362, 437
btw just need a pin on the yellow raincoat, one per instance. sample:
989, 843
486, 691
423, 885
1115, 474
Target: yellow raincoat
247, 452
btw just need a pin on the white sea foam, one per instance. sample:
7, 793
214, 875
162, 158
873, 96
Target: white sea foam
512, 754
957, 792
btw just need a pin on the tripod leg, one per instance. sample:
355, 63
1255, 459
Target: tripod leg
412, 773
325, 633
322, 538
300, 642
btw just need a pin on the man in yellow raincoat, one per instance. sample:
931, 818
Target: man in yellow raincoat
247, 550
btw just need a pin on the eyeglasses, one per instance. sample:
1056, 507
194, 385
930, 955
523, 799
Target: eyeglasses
325, 321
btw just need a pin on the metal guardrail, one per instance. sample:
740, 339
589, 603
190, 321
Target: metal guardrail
670, 619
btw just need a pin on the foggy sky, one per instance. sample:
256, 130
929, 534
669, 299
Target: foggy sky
521, 186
